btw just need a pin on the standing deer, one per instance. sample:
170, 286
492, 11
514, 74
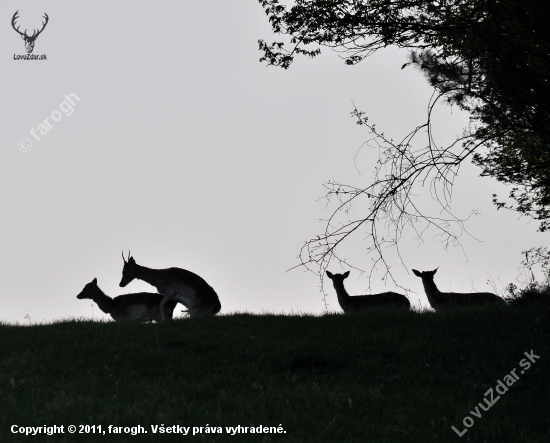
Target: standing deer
175, 284
444, 300
364, 302
143, 306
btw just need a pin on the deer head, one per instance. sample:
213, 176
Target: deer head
29, 39
89, 290
129, 270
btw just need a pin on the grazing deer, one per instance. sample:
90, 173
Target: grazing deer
364, 302
143, 306
175, 284
444, 300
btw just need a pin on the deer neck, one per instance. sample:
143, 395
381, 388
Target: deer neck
341, 292
148, 275
103, 301
430, 287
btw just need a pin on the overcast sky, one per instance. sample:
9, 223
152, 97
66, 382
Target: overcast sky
184, 149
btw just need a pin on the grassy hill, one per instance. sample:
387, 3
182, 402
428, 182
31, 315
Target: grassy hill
377, 377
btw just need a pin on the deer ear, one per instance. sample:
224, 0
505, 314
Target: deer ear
346, 274
329, 275
415, 272
94, 281
131, 260
434, 271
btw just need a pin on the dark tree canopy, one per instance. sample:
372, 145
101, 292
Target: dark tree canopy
490, 57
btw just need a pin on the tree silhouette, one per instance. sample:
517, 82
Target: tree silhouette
489, 57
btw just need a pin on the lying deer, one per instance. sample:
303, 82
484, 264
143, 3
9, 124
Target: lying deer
175, 284
444, 300
143, 306
365, 302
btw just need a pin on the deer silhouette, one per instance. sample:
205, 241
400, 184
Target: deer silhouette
143, 306
175, 284
357, 303
444, 300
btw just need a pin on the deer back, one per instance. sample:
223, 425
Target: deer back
374, 301
143, 306
445, 300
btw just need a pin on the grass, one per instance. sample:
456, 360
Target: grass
377, 377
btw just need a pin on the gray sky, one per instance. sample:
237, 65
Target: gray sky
190, 153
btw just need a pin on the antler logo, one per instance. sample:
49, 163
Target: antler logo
29, 39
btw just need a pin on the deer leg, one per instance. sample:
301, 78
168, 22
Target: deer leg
165, 299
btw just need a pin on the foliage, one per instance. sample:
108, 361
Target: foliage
533, 293
489, 57
534, 290
538, 257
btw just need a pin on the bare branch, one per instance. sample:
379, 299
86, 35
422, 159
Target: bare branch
391, 200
